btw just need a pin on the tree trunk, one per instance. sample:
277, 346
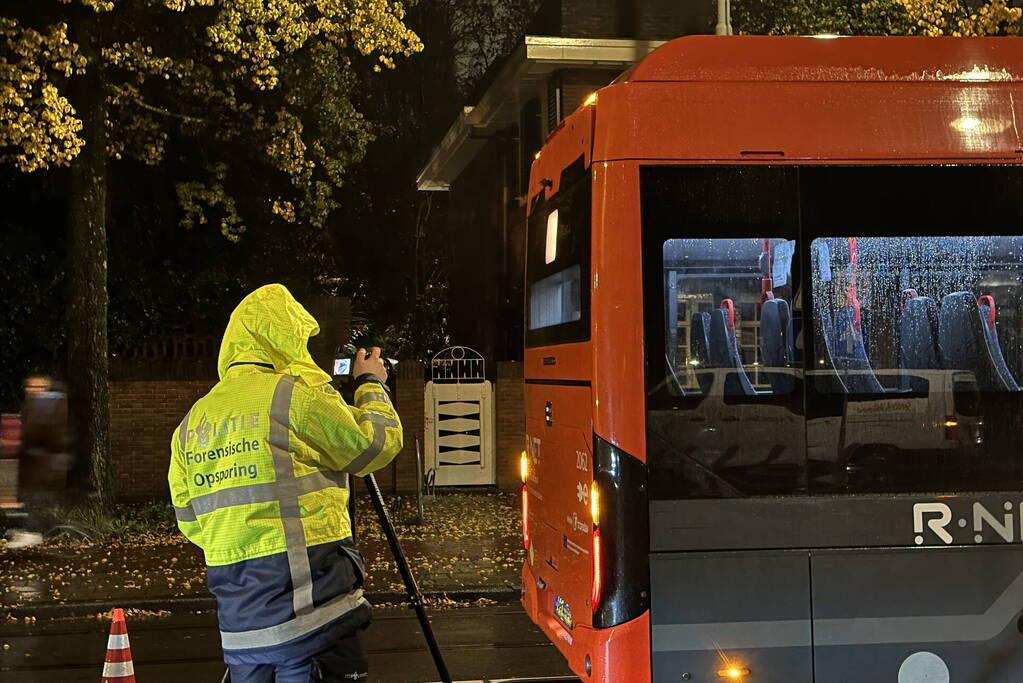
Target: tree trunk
87, 253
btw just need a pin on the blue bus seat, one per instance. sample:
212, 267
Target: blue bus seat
776, 343
963, 342
698, 337
918, 341
724, 353
824, 344
987, 318
850, 355
826, 373
699, 344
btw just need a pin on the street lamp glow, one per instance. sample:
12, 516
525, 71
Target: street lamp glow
967, 123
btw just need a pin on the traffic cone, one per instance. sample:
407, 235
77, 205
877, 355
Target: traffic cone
117, 667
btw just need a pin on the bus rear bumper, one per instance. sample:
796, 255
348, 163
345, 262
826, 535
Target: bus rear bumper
619, 653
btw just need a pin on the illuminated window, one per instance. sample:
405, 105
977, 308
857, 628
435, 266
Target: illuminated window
556, 299
551, 248
557, 262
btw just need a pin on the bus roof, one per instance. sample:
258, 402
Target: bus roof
833, 59
756, 99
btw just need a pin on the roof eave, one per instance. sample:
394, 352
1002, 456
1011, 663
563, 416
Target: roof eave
533, 60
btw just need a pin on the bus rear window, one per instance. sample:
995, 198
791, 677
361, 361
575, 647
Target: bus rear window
555, 300
558, 263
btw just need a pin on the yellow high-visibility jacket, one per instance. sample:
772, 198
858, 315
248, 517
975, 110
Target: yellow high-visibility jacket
258, 475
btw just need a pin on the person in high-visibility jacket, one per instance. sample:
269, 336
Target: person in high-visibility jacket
258, 475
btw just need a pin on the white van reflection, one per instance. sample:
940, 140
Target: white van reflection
756, 444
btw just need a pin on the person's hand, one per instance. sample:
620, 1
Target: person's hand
371, 364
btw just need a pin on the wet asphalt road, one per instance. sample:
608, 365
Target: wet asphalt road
479, 643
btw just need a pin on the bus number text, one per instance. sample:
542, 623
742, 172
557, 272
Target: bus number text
582, 461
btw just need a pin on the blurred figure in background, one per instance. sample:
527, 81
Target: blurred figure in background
43, 467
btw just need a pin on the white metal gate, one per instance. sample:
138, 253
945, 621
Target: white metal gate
460, 419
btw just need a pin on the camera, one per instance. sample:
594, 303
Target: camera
343, 365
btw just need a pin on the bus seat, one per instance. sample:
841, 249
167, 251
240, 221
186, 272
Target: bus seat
698, 337
700, 346
986, 309
724, 353
776, 343
826, 373
850, 355
962, 341
918, 340
820, 260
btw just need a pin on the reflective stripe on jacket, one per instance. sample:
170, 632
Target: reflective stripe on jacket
257, 477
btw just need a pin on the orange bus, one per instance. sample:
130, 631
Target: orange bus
774, 341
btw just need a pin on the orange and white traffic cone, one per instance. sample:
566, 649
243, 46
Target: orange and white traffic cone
117, 667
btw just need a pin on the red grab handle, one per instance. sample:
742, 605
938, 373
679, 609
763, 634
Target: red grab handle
990, 308
851, 295
766, 279
729, 305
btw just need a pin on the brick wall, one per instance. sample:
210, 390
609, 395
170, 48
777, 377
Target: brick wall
143, 415
589, 19
643, 19
578, 84
510, 419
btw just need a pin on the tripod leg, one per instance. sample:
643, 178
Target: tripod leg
414, 594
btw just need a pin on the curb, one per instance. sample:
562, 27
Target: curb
501, 595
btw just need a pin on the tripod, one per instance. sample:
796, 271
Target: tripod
411, 587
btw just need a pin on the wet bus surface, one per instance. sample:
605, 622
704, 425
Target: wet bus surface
774, 331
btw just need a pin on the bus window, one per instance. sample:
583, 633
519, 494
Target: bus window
921, 336
557, 263
891, 313
905, 349
724, 385
556, 299
728, 316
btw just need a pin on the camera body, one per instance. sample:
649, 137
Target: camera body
344, 367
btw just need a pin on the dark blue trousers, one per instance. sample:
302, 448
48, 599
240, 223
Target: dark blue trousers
343, 662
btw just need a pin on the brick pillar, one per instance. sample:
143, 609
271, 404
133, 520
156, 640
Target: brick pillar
511, 423
401, 474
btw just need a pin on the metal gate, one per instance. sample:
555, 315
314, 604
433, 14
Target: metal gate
460, 419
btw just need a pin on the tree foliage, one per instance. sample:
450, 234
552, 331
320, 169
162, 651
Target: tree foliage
224, 87
482, 32
877, 17
958, 18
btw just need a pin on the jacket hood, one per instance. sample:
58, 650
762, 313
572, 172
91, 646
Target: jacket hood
270, 326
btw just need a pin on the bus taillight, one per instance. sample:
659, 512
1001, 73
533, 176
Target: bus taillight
525, 517
595, 518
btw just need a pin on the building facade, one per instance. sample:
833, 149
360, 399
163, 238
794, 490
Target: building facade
571, 49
